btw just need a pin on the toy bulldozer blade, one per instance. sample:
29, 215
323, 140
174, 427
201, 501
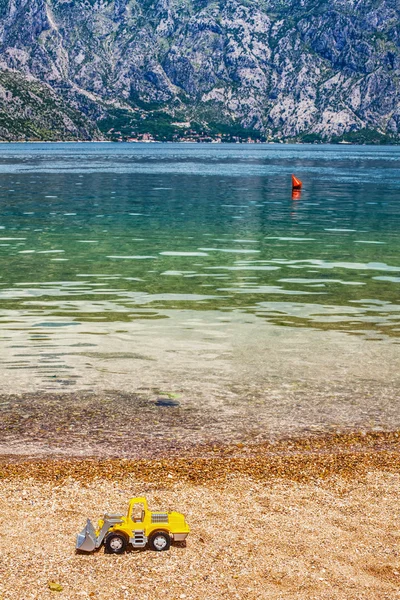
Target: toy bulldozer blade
86, 539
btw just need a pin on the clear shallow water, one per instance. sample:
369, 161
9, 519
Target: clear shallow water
130, 272
101, 232
189, 271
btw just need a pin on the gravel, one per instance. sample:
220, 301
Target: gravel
312, 519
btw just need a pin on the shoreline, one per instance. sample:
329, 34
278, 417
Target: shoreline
297, 459
263, 143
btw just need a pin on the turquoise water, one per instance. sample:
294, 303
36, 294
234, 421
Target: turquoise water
103, 233
130, 272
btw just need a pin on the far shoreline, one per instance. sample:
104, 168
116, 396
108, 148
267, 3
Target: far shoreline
203, 143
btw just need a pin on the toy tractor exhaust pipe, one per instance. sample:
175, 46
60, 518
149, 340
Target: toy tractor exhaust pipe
86, 539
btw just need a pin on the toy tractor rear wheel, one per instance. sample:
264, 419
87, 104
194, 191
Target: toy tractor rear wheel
115, 543
160, 541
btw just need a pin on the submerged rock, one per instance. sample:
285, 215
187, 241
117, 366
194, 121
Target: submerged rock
167, 402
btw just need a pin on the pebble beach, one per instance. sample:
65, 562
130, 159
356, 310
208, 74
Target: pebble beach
305, 518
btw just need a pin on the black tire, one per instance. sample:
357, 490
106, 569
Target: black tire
115, 543
159, 541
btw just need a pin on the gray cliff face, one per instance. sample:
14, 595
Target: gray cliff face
283, 67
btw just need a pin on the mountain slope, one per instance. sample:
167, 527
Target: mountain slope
30, 110
284, 68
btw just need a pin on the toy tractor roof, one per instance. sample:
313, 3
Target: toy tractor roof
141, 501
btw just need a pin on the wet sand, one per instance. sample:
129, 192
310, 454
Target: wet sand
314, 517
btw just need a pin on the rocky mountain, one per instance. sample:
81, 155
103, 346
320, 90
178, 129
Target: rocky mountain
31, 110
170, 69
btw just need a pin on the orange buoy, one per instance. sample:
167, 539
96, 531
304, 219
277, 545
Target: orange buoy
296, 183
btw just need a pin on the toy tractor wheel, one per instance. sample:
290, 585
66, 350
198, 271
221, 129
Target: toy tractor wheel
160, 541
116, 543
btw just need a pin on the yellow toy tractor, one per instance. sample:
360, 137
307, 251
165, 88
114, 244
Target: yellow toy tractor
139, 528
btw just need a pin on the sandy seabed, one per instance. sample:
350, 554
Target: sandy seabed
313, 518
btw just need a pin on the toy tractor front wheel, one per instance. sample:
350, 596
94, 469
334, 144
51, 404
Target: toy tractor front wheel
160, 541
115, 543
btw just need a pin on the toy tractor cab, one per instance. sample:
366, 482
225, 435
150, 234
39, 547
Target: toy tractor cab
139, 528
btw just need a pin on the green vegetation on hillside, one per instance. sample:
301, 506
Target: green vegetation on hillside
124, 125
30, 110
366, 136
